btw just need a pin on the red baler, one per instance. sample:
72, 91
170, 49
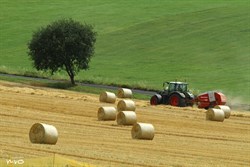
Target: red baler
210, 99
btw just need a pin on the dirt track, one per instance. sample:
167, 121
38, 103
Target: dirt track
183, 137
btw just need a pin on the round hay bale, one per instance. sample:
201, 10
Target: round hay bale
226, 109
124, 93
106, 113
143, 131
214, 114
126, 118
107, 97
43, 134
126, 105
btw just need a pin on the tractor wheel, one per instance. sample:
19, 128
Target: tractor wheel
176, 100
156, 99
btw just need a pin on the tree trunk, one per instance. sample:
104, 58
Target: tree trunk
71, 74
72, 79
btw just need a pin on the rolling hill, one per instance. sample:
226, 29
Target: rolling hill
144, 43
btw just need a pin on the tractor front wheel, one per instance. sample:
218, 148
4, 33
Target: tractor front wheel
156, 99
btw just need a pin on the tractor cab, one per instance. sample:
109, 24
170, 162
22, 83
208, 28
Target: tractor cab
170, 87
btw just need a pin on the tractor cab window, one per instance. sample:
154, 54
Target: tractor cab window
171, 87
165, 86
177, 87
182, 87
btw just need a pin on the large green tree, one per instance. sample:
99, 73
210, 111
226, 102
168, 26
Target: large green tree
63, 45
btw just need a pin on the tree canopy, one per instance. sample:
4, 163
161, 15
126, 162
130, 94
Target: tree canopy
63, 45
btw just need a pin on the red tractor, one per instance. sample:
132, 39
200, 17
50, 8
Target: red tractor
177, 94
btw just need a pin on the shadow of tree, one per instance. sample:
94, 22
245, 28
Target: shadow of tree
60, 85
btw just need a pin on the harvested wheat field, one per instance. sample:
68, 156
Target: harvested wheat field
183, 137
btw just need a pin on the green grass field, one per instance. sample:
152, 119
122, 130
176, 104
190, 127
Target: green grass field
143, 43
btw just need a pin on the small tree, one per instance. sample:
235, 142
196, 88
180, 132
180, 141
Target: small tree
63, 45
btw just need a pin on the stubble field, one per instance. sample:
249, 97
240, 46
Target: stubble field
182, 135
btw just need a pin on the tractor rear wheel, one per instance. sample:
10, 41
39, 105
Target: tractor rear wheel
176, 100
156, 99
